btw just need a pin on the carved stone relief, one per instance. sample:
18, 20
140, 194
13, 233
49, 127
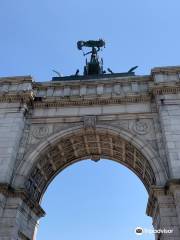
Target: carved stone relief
89, 123
40, 131
141, 126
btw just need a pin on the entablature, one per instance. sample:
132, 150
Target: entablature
111, 90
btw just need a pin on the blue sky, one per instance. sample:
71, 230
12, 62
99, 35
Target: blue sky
38, 36
88, 200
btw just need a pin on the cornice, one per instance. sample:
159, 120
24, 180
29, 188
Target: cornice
16, 79
166, 70
165, 89
8, 191
91, 82
24, 97
60, 102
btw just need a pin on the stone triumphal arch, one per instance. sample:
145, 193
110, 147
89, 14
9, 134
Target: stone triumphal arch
46, 126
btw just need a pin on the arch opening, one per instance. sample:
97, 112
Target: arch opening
104, 193
82, 145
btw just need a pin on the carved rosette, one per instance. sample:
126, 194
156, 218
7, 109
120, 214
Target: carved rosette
40, 132
141, 127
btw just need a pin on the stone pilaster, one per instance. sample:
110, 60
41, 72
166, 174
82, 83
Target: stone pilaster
15, 96
19, 215
166, 90
162, 208
174, 187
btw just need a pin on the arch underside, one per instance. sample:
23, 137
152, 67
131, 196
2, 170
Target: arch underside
86, 145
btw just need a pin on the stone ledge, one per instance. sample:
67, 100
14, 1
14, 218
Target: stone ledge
167, 69
59, 102
92, 82
8, 191
156, 191
16, 79
166, 89
23, 97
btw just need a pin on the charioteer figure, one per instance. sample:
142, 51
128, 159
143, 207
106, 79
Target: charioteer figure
94, 66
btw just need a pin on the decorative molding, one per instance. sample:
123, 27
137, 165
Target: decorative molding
91, 82
160, 90
24, 97
16, 79
8, 191
60, 102
154, 192
141, 126
89, 144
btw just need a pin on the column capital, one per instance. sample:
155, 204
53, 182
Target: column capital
10, 192
156, 194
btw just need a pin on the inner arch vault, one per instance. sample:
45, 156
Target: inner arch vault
81, 144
